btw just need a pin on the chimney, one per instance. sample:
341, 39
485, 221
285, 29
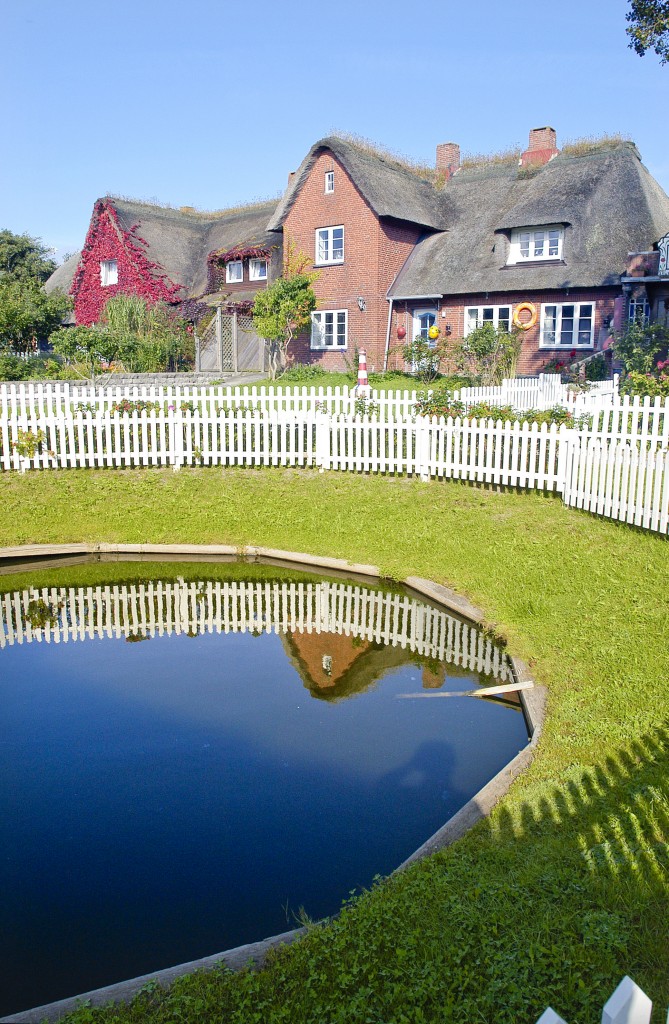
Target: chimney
542, 147
448, 158
291, 176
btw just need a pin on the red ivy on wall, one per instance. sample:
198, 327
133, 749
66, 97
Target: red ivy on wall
108, 240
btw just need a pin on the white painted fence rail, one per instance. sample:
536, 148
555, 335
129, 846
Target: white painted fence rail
160, 608
41, 398
629, 1004
617, 467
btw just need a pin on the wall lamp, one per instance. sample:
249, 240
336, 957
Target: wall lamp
362, 305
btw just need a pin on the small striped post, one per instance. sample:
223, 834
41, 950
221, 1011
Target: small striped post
362, 387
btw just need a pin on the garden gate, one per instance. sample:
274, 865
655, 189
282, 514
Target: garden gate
230, 343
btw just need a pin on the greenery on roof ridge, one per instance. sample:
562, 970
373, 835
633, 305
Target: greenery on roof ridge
193, 211
594, 144
482, 161
400, 160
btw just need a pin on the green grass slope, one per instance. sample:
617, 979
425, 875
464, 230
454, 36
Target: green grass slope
564, 889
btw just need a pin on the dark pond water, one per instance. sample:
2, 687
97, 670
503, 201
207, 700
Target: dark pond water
186, 763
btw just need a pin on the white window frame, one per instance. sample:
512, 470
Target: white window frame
329, 183
319, 321
229, 279
494, 320
417, 327
639, 310
525, 243
108, 272
574, 343
323, 252
255, 266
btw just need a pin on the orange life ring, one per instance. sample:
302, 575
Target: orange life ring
525, 307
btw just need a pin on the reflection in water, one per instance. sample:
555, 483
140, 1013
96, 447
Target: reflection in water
170, 791
354, 618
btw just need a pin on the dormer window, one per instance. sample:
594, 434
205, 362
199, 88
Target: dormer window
329, 182
258, 270
234, 272
108, 272
530, 245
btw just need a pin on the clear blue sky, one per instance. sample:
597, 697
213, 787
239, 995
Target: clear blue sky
209, 103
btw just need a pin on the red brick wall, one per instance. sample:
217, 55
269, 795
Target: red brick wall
532, 358
373, 254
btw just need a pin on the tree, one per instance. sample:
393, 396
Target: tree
284, 309
87, 347
28, 314
490, 353
648, 27
23, 258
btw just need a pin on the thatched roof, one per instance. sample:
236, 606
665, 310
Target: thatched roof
179, 241
607, 200
391, 189
63, 276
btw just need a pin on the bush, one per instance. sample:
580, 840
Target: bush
639, 346
12, 368
642, 384
442, 403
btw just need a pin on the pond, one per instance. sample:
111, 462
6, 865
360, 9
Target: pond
193, 756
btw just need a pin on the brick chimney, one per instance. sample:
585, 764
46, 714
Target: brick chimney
542, 147
448, 158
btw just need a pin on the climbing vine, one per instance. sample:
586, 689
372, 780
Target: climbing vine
106, 240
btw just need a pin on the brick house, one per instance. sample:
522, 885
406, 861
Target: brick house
578, 239
172, 255
576, 236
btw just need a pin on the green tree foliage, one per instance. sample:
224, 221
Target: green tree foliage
143, 336
85, 349
648, 27
284, 309
150, 337
639, 345
23, 258
425, 358
489, 353
27, 313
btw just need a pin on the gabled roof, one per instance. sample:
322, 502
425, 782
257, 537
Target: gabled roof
608, 201
179, 241
390, 189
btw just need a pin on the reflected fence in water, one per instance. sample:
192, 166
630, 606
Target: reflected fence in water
137, 611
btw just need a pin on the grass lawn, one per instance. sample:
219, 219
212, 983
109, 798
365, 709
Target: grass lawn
564, 889
393, 380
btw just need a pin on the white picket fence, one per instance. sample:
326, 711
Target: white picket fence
616, 467
629, 1004
40, 398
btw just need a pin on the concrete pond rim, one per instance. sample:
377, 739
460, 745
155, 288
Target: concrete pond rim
533, 702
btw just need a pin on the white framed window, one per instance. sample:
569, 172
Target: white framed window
423, 319
108, 272
329, 182
329, 329
329, 245
639, 310
498, 316
234, 272
531, 244
257, 270
567, 325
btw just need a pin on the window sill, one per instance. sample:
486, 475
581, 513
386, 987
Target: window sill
535, 263
330, 263
566, 348
328, 348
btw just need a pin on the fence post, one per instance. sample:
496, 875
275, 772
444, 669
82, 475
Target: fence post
629, 1004
423, 448
566, 438
219, 335
176, 452
323, 460
234, 342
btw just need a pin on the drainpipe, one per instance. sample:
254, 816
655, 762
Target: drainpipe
385, 354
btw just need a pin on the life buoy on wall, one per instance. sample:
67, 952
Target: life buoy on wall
525, 307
